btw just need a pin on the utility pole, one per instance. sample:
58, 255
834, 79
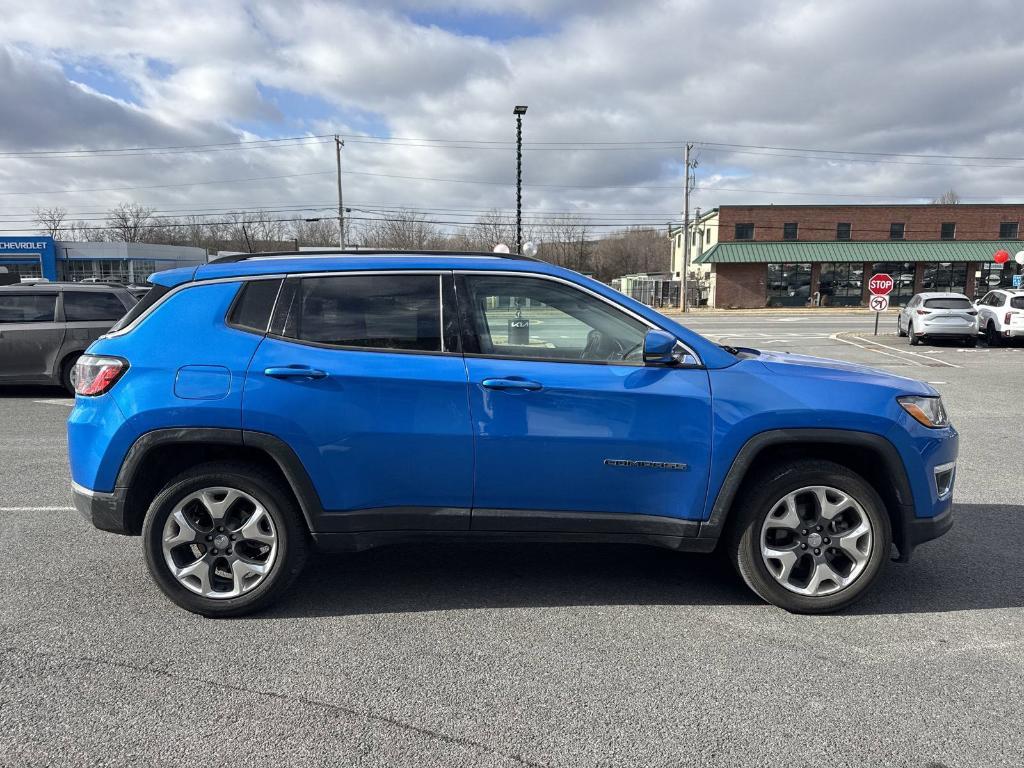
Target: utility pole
519, 111
338, 144
687, 186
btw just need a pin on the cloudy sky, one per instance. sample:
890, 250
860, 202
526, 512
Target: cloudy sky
906, 98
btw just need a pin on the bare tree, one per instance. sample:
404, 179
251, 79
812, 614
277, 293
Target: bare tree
84, 232
53, 221
315, 232
128, 222
635, 250
403, 230
949, 197
567, 242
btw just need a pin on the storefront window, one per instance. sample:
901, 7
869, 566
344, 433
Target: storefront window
789, 285
990, 275
841, 285
945, 276
902, 274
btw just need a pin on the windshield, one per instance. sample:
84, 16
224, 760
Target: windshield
949, 303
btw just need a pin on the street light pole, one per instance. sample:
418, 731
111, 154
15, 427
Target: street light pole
519, 111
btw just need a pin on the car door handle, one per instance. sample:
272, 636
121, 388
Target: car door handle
531, 386
295, 372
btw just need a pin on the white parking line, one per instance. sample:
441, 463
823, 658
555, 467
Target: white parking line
915, 354
37, 509
835, 337
65, 403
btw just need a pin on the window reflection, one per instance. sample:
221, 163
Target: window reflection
842, 284
789, 284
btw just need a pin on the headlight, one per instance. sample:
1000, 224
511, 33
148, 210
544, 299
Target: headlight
926, 410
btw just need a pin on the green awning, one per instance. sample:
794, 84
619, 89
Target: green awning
852, 251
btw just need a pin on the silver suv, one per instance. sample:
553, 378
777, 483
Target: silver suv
44, 327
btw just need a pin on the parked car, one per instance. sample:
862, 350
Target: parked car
44, 327
249, 408
931, 316
1001, 315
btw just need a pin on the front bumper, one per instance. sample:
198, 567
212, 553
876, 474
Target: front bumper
106, 511
917, 530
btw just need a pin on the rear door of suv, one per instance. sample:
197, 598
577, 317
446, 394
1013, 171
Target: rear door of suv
30, 336
362, 376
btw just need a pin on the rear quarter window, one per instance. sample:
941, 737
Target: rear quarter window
253, 305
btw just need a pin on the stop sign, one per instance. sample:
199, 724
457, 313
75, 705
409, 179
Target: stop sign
881, 284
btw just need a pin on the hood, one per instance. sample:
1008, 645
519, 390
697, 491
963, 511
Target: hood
784, 363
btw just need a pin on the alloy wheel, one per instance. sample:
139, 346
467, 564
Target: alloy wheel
220, 542
816, 540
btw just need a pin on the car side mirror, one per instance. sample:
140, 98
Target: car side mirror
662, 348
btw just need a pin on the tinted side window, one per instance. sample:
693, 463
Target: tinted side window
373, 311
254, 304
82, 306
154, 295
533, 318
27, 307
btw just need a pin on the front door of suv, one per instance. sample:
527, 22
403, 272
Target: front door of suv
572, 430
361, 375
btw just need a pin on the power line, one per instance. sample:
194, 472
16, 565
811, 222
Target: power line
168, 186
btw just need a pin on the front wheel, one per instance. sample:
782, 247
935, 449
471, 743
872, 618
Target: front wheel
810, 537
899, 329
224, 539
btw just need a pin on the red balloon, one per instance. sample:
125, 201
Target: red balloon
1001, 257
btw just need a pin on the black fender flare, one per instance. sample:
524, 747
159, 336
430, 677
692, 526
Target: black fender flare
745, 457
277, 449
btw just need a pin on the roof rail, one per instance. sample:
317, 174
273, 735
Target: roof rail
369, 252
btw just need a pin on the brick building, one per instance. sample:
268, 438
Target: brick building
795, 255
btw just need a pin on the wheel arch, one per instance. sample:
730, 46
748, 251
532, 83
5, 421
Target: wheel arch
871, 456
158, 456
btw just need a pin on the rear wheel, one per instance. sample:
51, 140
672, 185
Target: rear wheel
67, 370
971, 342
992, 335
915, 340
810, 537
224, 539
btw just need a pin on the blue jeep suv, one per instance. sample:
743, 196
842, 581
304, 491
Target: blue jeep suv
251, 408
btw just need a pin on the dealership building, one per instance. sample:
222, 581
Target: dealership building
752, 256
42, 256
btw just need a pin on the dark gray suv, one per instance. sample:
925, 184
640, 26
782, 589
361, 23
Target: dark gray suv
44, 327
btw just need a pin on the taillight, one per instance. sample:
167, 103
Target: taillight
923, 312
972, 312
1006, 320
96, 374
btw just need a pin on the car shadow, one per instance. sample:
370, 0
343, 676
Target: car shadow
32, 390
975, 566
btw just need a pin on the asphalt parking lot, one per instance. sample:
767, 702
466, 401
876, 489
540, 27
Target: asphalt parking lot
528, 655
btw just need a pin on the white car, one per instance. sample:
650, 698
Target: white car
939, 316
1001, 315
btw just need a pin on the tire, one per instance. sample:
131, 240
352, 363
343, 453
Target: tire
915, 340
66, 368
248, 573
992, 335
751, 529
971, 342
899, 329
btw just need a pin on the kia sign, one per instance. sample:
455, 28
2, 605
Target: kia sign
881, 284
879, 303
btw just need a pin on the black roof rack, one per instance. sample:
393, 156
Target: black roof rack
369, 252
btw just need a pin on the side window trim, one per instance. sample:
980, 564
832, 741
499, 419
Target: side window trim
471, 344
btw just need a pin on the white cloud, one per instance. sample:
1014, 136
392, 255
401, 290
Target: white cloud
915, 77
